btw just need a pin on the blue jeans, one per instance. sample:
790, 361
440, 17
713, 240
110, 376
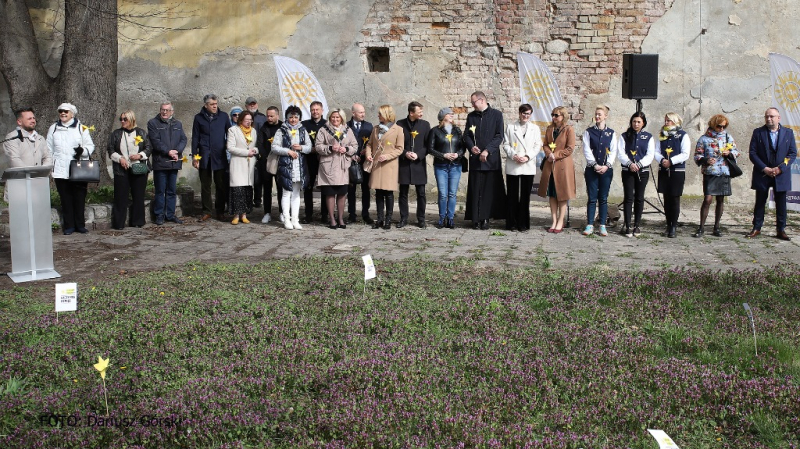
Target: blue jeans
597, 187
447, 178
165, 182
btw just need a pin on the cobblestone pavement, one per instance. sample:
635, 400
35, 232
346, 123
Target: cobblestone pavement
109, 253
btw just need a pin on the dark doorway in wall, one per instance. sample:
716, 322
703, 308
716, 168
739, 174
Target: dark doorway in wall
378, 59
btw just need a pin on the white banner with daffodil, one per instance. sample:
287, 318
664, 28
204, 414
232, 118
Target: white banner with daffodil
298, 86
786, 97
538, 87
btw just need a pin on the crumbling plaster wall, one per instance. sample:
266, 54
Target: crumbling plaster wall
441, 51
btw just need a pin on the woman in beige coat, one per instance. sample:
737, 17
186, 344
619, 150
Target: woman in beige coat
384, 147
242, 148
335, 145
558, 172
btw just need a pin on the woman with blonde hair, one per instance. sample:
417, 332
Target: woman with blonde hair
127, 147
673, 152
714, 152
241, 146
335, 145
385, 145
600, 147
558, 171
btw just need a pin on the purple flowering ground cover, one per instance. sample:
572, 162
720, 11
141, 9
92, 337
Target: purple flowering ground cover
289, 354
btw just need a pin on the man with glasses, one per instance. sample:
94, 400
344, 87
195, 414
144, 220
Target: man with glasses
772, 152
209, 140
168, 140
486, 194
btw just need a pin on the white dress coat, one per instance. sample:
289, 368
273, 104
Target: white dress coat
241, 167
522, 140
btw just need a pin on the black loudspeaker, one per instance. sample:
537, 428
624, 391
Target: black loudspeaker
639, 76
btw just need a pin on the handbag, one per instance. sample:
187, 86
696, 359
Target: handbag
356, 176
272, 163
139, 168
84, 170
733, 167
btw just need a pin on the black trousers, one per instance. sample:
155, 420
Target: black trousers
633, 186
221, 181
780, 209
73, 203
308, 194
365, 200
420, 188
268, 179
128, 194
259, 184
519, 201
672, 209
384, 197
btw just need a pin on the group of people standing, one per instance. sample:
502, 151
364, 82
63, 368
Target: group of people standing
772, 152
244, 153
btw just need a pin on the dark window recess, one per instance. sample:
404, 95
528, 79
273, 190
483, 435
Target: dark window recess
378, 59
440, 25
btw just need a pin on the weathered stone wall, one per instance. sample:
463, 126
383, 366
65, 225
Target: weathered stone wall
442, 51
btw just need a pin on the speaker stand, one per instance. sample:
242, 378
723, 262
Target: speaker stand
638, 105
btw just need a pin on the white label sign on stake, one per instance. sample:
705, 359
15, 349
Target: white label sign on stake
67, 297
664, 441
369, 267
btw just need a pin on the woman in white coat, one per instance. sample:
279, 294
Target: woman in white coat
523, 141
242, 150
69, 140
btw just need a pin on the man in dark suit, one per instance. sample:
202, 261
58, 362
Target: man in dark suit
413, 167
209, 142
312, 126
362, 129
772, 152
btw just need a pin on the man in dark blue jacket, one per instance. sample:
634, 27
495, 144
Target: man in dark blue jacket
362, 129
168, 141
772, 152
209, 139
486, 193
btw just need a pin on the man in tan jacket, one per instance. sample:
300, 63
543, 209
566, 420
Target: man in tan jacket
24, 147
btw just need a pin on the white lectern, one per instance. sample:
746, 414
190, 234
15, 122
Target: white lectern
29, 219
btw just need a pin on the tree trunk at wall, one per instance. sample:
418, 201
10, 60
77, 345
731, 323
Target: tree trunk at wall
88, 74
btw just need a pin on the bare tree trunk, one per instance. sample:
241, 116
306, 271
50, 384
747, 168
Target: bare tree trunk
88, 74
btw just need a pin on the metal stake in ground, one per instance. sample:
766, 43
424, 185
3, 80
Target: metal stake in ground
752, 324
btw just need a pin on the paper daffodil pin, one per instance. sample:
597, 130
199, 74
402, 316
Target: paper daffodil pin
197, 157
786, 161
414, 134
633, 153
138, 140
728, 146
184, 159
552, 145
365, 139
449, 137
389, 143
294, 132
313, 134
472, 128
101, 365
337, 134
608, 151
270, 139
87, 128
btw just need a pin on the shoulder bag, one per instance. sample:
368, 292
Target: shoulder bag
84, 170
356, 176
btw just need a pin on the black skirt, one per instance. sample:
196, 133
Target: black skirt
717, 185
241, 200
671, 184
333, 190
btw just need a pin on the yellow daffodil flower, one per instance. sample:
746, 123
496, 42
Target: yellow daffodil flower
87, 128
294, 132
786, 161
608, 151
389, 143
449, 137
101, 366
668, 151
184, 159
365, 139
313, 134
338, 134
414, 134
472, 128
633, 153
138, 140
552, 145
728, 147
662, 138
197, 157
514, 144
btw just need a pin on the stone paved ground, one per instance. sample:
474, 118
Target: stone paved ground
110, 253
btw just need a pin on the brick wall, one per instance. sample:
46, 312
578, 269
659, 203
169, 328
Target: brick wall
581, 41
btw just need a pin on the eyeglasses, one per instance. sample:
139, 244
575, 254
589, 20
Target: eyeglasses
234, 115
123, 119
555, 115
63, 111
721, 126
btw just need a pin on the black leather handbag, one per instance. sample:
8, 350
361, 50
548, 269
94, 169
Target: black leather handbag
84, 170
733, 167
356, 176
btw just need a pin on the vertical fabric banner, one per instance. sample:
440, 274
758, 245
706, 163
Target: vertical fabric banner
785, 73
298, 86
538, 87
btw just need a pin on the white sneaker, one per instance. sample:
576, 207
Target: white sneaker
265, 219
280, 218
296, 224
588, 230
